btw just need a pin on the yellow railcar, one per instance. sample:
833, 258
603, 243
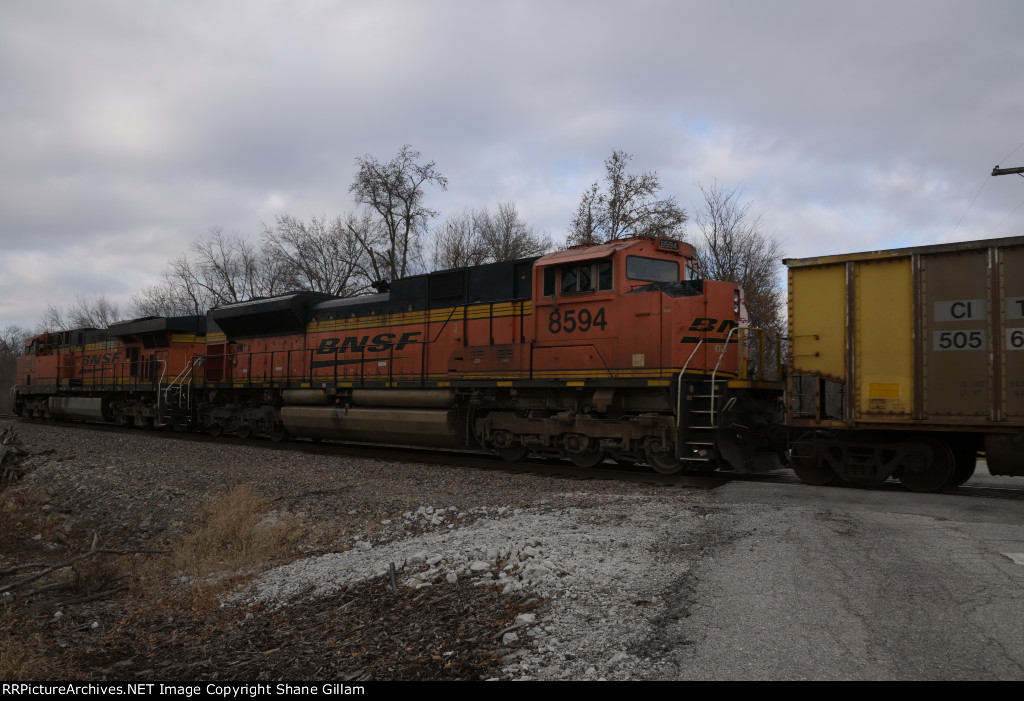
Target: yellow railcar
906, 363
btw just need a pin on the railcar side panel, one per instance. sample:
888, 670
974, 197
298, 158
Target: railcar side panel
817, 321
957, 332
1011, 339
883, 322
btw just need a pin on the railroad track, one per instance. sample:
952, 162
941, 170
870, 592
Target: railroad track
539, 466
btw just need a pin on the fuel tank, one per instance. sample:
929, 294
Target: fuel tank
435, 428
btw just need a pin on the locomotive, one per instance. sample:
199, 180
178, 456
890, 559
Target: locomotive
616, 351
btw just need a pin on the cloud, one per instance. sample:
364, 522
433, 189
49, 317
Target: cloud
149, 123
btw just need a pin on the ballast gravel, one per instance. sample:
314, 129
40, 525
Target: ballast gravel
610, 561
599, 567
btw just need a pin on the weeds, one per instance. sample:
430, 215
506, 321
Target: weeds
236, 533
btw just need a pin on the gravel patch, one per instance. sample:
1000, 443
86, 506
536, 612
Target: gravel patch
608, 560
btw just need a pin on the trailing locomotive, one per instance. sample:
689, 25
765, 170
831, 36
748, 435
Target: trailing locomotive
611, 351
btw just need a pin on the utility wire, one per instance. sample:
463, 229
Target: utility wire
1019, 205
984, 182
1012, 152
960, 220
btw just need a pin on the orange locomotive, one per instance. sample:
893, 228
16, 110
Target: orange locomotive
120, 374
617, 350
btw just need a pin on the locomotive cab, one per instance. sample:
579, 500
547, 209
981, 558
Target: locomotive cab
634, 317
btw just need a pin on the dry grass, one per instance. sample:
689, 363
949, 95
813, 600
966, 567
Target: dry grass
99, 574
21, 511
18, 662
234, 537
23, 656
237, 533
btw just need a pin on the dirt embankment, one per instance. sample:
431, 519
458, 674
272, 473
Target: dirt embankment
137, 556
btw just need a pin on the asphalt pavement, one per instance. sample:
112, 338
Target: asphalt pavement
826, 583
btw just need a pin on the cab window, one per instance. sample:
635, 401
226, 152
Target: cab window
578, 278
651, 269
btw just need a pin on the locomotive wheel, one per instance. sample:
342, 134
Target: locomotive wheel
590, 458
808, 458
929, 465
244, 431
513, 453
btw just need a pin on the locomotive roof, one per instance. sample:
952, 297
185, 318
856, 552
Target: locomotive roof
303, 296
342, 302
604, 250
274, 315
156, 324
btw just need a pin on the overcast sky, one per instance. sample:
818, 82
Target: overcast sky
131, 128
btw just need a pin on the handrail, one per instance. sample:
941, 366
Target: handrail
180, 381
679, 383
725, 347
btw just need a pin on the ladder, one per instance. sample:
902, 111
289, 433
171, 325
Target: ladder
702, 401
174, 400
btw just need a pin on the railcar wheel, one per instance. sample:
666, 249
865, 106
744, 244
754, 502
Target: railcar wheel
513, 453
244, 431
590, 458
214, 429
928, 465
808, 458
965, 461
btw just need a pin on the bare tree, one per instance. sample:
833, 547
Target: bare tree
734, 246
86, 312
228, 267
395, 192
12, 341
321, 255
482, 236
627, 206
506, 236
12, 345
168, 298
220, 269
458, 242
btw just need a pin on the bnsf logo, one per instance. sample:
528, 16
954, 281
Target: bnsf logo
101, 358
703, 323
380, 342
